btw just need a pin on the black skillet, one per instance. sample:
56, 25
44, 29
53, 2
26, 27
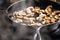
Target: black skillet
20, 5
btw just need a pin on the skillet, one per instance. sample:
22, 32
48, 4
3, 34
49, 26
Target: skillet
20, 5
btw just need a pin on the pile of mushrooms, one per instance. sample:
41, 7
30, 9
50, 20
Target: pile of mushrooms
34, 16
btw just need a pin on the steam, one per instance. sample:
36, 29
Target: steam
38, 34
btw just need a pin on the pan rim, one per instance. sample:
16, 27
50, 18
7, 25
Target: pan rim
13, 4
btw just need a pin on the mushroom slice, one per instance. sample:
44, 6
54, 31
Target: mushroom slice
48, 9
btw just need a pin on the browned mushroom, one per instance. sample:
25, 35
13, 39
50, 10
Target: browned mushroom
48, 10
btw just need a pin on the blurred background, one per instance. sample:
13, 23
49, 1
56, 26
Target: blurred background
12, 1
5, 3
